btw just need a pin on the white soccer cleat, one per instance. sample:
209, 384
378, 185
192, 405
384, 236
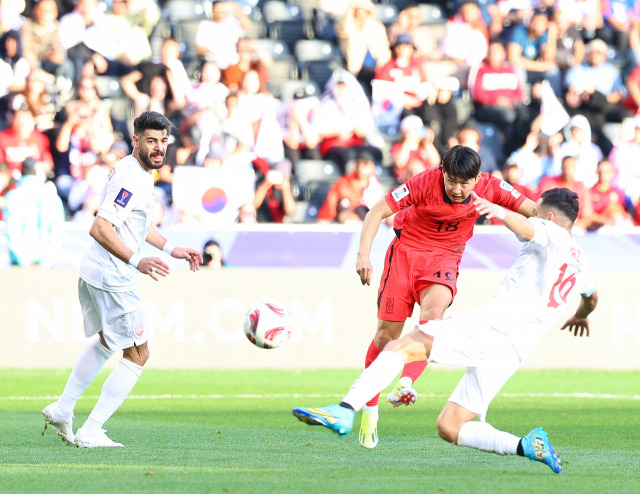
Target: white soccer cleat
402, 394
95, 440
62, 426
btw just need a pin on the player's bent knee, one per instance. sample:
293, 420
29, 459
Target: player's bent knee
447, 430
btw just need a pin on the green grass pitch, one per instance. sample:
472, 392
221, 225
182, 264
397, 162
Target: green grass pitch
232, 431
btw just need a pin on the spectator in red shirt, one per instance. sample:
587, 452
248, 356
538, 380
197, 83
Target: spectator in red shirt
609, 202
21, 140
416, 145
567, 179
511, 174
497, 91
350, 198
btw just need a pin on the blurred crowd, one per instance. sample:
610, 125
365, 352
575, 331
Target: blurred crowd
546, 91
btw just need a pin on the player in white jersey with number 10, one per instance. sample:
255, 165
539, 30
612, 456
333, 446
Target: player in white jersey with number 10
493, 340
111, 304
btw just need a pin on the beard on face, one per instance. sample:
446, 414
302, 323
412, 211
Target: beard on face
146, 159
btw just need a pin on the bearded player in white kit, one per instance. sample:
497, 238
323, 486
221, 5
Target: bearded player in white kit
493, 340
111, 304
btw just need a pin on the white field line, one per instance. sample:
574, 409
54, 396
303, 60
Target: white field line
319, 395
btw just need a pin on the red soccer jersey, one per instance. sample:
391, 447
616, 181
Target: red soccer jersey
433, 222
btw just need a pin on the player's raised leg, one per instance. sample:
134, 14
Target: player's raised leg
434, 300
374, 378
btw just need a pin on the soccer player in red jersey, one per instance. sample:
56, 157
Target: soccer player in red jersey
435, 219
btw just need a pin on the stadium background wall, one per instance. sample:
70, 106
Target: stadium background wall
197, 319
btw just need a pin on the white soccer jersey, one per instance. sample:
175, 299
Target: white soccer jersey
550, 272
127, 202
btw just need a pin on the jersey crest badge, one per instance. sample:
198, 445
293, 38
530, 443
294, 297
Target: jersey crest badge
122, 199
504, 185
400, 192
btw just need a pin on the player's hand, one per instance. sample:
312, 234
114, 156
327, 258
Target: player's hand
579, 326
193, 257
364, 269
153, 266
486, 207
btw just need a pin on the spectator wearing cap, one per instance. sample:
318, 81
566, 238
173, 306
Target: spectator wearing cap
363, 41
415, 150
34, 217
405, 72
353, 194
212, 255
297, 119
624, 157
21, 140
273, 199
497, 91
532, 51
595, 90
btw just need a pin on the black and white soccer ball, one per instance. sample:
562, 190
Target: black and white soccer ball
267, 323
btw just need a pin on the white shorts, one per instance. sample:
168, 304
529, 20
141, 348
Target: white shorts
119, 315
467, 340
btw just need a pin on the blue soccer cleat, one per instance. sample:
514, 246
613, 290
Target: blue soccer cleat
334, 417
536, 446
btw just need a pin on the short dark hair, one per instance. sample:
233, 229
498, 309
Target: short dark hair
461, 162
562, 199
151, 120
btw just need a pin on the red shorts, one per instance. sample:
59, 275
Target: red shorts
407, 272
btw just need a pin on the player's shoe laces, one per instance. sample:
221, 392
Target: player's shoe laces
334, 417
368, 435
402, 394
536, 446
95, 440
63, 426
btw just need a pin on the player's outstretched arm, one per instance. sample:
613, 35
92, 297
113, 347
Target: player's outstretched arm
370, 226
102, 231
192, 256
515, 222
578, 324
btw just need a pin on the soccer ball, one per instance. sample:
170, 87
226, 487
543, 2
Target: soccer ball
267, 323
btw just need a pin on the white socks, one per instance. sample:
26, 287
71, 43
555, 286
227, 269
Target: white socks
89, 363
483, 436
114, 391
374, 379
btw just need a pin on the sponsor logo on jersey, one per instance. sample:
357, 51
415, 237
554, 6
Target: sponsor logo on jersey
400, 192
515, 193
139, 329
122, 199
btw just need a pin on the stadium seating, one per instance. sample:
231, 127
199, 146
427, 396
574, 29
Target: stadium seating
289, 87
285, 22
317, 59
